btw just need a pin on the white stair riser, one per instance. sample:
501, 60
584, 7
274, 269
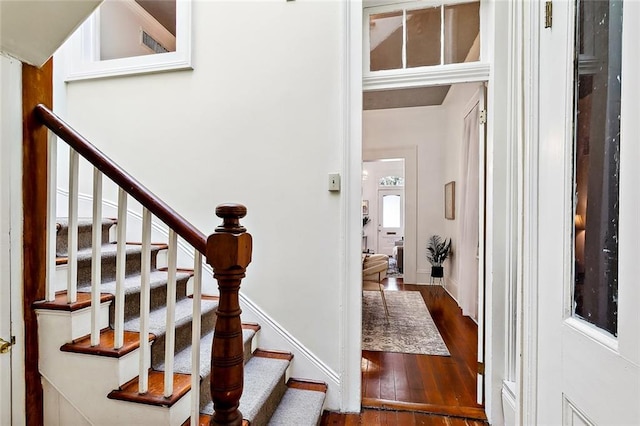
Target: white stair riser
64, 326
60, 282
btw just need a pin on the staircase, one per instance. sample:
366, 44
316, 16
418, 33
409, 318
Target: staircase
97, 384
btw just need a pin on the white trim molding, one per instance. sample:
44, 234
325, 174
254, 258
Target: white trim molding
527, 333
410, 155
428, 76
350, 337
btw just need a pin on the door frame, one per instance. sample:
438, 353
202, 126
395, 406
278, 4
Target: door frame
479, 99
504, 100
410, 155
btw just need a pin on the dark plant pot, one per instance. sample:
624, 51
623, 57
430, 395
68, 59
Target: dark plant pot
437, 271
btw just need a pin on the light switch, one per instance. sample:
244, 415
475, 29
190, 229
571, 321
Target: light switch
334, 181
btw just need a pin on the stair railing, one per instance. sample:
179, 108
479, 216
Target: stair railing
227, 250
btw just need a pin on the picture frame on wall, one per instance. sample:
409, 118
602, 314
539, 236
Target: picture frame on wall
365, 207
450, 200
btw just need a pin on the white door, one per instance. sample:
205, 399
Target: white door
5, 326
390, 218
588, 334
8, 73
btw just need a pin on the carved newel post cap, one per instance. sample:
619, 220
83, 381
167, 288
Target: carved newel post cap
231, 215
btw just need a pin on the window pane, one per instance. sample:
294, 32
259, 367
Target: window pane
423, 37
392, 181
391, 211
385, 38
462, 33
597, 155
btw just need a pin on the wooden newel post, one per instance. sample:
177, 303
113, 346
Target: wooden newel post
229, 253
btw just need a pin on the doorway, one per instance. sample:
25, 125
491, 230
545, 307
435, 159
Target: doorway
434, 137
383, 206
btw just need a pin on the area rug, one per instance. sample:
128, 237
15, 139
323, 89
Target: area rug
410, 328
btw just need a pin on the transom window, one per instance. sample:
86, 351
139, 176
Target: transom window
415, 35
392, 181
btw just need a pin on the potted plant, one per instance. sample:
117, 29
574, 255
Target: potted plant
437, 253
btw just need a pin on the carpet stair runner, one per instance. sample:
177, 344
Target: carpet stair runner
267, 397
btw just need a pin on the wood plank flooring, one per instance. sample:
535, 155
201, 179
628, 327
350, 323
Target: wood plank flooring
408, 389
370, 417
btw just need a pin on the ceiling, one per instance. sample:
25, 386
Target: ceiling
404, 98
163, 10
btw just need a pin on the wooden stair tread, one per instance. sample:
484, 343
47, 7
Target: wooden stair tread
476, 413
251, 326
60, 302
105, 348
306, 384
154, 396
183, 270
263, 353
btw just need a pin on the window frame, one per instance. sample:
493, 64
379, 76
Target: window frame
425, 75
84, 48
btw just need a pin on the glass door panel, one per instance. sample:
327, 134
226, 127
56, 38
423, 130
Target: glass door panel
597, 157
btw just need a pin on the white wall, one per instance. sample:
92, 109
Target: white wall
259, 121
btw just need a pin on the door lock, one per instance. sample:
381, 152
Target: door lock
4, 346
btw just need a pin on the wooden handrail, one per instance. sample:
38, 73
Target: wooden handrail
123, 179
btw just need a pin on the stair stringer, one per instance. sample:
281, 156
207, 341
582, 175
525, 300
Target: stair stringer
84, 381
305, 363
58, 410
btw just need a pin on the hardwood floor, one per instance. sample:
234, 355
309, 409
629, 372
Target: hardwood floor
401, 389
370, 417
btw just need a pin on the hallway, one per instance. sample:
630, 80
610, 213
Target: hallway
419, 384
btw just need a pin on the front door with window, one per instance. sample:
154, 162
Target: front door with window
588, 360
390, 219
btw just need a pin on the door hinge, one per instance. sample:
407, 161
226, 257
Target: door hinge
483, 116
481, 368
548, 14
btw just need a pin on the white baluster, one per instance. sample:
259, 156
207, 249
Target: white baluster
96, 257
145, 296
52, 161
170, 337
121, 264
72, 239
195, 339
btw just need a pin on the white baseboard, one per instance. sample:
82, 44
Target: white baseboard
509, 403
305, 363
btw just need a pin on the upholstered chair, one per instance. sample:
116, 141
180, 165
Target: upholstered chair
374, 270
